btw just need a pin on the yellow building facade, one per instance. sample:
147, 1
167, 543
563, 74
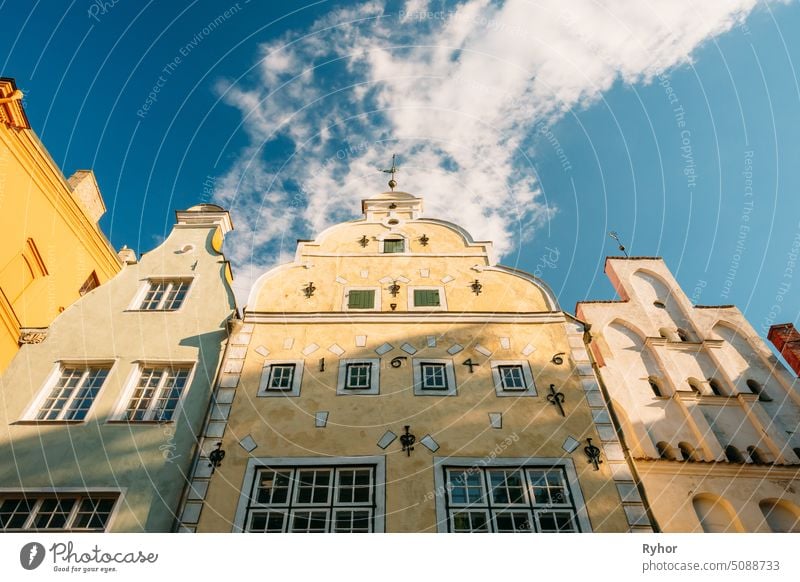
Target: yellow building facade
397, 328
53, 251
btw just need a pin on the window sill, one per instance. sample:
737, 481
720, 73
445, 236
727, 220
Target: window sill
151, 310
134, 422
30, 422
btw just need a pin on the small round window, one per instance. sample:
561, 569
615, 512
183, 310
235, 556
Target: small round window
659, 304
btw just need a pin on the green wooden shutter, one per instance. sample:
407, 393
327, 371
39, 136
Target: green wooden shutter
361, 299
426, 298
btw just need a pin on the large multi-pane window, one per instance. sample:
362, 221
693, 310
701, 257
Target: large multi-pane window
73, 393
312, 500
165, 294
21, 512
509, 499
157, 392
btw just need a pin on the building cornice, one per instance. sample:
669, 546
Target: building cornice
715, 469
546, 317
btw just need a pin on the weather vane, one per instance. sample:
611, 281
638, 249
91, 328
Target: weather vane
393, 170
615, 236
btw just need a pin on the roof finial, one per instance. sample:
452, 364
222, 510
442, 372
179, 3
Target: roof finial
393, 170
615, 236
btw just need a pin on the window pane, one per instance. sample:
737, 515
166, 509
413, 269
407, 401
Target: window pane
434, 376
73, 394
268, 522
511, 377
507, 487
355, 486
281, 377
514, 521
14, 512
310, 521
170, 395
361, 299
313, 486
426, 298
93, 513
154, 295
351, 521
465, 487
273, 487
549, 487
556, 521
53, 513
176, 294
470, 521
358, 376
391, 245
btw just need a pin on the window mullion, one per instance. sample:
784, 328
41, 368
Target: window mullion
34, 510
488, 490
332, 501
151, 406
73, 513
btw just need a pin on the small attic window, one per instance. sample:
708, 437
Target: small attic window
659, 304
394, 245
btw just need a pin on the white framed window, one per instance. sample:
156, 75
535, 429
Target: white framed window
162, 294
281, 378
155, 392
513, 378
359, 376
361, 299
434, 377
508, 495
305, 495
70, 391
427, 299
394, 245
25, 511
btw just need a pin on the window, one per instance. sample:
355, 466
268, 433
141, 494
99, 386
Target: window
20, 512
309, 499
157, 392
683, 335
687, 451
361, 299
91, 283
509, 499
358, 376
757, 456
164, 294
665, 451
694, 385
434, 377
73, 393
394, 245
733, 454
281, 378
426, 298
513, 378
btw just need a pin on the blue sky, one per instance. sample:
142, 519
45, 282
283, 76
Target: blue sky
541, 126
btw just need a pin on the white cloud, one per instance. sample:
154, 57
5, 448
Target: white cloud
455, 92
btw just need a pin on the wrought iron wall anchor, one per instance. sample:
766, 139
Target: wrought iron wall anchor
593, 453
216, 456
363, 241
556, 399
557, 359
476, 287
322, 364
309, 289
407, 440
471, 364
398, 361
394, 289
423, 240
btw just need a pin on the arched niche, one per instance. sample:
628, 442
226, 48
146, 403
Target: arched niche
716, 514
781, 516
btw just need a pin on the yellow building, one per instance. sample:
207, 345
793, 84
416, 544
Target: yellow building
53, 250
393, 326
708, 414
